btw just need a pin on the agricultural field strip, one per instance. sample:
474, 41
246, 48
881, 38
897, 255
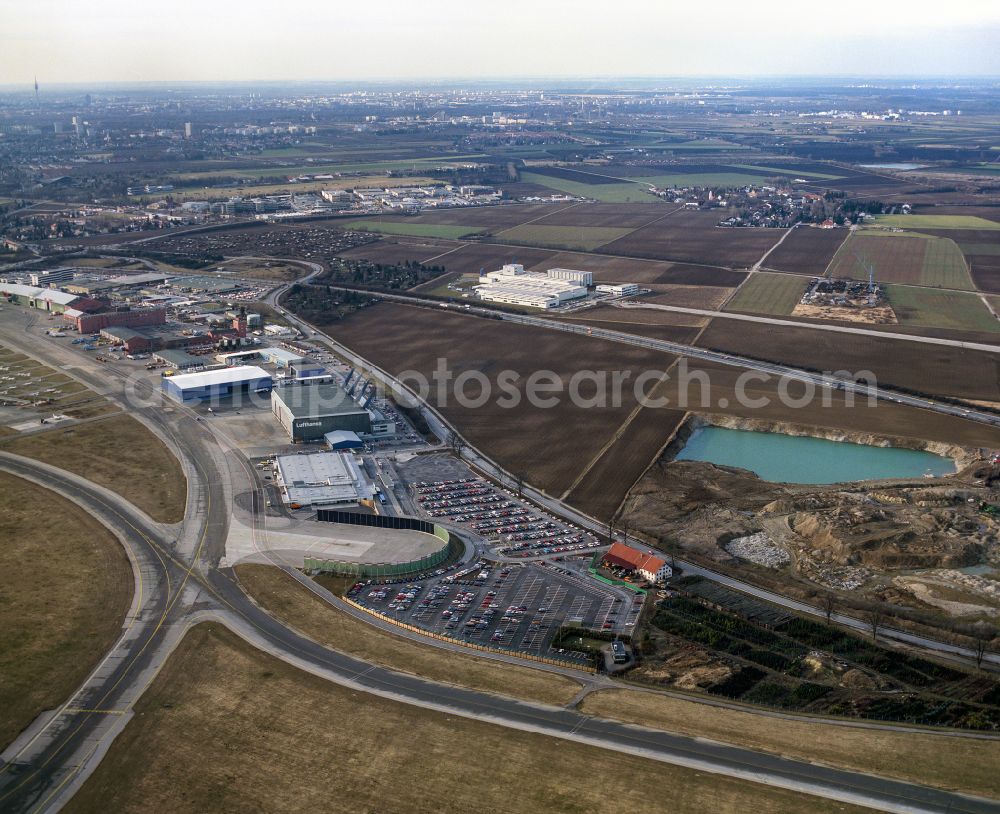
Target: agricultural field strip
936, 264
927, 340
585, 470
937, 222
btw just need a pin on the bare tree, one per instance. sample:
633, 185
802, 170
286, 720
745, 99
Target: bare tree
518, 479
455, 442
624, 528
611, 530
829, 604
875, 618
980, 647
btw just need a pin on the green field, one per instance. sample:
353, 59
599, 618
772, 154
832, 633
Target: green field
933, 308
903, 257
788, 172
391, 227
626, 192
992, 249
327, 169
705, 179
766, 293
635, 191
936, 222
574, 238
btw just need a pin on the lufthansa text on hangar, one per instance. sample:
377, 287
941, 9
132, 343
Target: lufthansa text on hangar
310, 411
217, 384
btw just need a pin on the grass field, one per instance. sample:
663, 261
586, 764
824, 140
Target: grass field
391, 227
625, 192
373, 167
118, 453
988, 249
766, 293
227, 728
936, 222
791, 172
283, 597
66, 395
572, 238
903, 258
635, 191
933, 308
249, 190
705, 179
953, 763
261, 269
67, 585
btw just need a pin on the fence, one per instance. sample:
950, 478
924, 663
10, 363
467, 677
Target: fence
619, 583
381, 570
470, 645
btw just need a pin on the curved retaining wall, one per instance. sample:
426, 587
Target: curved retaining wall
381, 570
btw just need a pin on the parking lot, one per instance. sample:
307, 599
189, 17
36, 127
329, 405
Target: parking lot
514, 528
515, 606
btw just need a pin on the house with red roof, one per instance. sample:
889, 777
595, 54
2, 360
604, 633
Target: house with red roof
645, 564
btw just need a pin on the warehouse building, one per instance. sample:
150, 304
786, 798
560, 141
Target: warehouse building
239, 357
180, 359
305, 369
132, 340
309, 412
279, 357
44, 299
515, 286
343, 439
329, 479
217, 384
132, 318
572, 275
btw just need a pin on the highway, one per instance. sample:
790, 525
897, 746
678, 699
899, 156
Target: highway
182, 584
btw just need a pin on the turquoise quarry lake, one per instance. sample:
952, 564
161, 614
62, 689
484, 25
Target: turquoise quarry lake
801, 459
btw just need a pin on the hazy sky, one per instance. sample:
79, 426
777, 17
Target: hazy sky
128, 41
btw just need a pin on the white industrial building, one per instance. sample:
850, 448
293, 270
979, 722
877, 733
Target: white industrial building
513, 285
572, 275
323, 479
221, 383
619, 289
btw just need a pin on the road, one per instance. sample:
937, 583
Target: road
186, 584
813, 326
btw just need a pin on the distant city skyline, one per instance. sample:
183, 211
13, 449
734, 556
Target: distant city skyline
228, 41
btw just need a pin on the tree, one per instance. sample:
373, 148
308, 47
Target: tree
829, 604
980, 648
875, 619
517, 481
455, 443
